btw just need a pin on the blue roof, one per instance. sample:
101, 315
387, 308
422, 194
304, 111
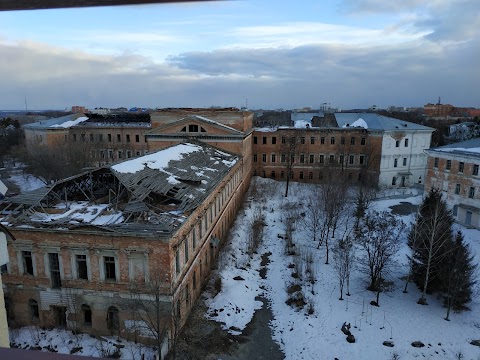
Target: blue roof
44, 124
378, 122
469, 148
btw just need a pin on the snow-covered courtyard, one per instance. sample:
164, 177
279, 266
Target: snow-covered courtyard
301, 335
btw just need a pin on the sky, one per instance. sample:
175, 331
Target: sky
266, 54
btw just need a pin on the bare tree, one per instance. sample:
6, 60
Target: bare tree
313, 219
343, 256
291, 146
333, 197
379, 236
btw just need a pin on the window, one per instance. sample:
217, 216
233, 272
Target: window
362, 141
185, 251
54, 265
177, 262
302, 158
109, 137
113, 320
322, 140
301, 175
4, 269
91, 137
255, 159
194, 280
255, 140
274, 140
282, 174
59, 315
272, 174
311, 159
284, 140
406, 142
397, 143
74, 136
127, 138
82, 269
395, 162
352, 140
320, 175
120, 154
340, 159
33, 306
194, 238
435, 162
461, 166
87, 315
137, 138
331, 159
192, 128
362, 160
290, 175
394, 181
351, 159
100, 137
310, 175
455, 210
449, 165
475, 170
404, 161
109, 266
119, 138
457, 189
264, 174
27, 262
264, 158
332, 140
312, 140
471, 192
82, 137
129, 154
273, 158
302, 140
342, 140
284, 158
321, 159
264, 140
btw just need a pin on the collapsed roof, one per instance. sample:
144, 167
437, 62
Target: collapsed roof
148, 196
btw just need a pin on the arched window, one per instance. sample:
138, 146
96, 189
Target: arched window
184, 129
34, 312
113, 321
8, 308
87, 315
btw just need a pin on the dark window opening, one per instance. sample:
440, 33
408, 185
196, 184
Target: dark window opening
54, 270
87, 315
192, 128
109, 263
27, 262
60, 315
34, 312
113, 320
82, 271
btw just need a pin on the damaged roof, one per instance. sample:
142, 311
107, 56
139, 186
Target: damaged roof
144, 196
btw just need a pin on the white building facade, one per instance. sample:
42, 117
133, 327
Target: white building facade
403, 160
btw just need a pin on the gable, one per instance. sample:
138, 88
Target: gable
194, 125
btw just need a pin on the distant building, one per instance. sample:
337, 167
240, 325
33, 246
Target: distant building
454, 169
78, 109
439, 110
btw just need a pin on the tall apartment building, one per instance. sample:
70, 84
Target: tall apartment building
454, 169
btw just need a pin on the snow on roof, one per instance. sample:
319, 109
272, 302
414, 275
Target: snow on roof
70, 123
158, 160
469, 147
302, 124
214, 122
357, 123
375, 121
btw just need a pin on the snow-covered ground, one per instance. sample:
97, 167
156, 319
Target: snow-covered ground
318, 336
64, 342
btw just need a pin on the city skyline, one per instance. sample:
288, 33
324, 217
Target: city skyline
352, 54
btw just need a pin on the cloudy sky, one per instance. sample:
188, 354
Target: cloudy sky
263, 53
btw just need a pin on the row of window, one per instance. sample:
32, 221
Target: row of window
460, 169
398, 142
301, 175
81, 269
395, 162
471, 191
312, 140
200, 229
119, 154
311, 159
99, 138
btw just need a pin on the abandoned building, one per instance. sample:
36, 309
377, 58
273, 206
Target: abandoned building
98, 251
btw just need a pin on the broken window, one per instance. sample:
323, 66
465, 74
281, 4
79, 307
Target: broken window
33, 306
27, 262
54, 264
87, 315
113, 320
82, 270
109, 263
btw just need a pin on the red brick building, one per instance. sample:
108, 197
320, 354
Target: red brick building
454, 169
